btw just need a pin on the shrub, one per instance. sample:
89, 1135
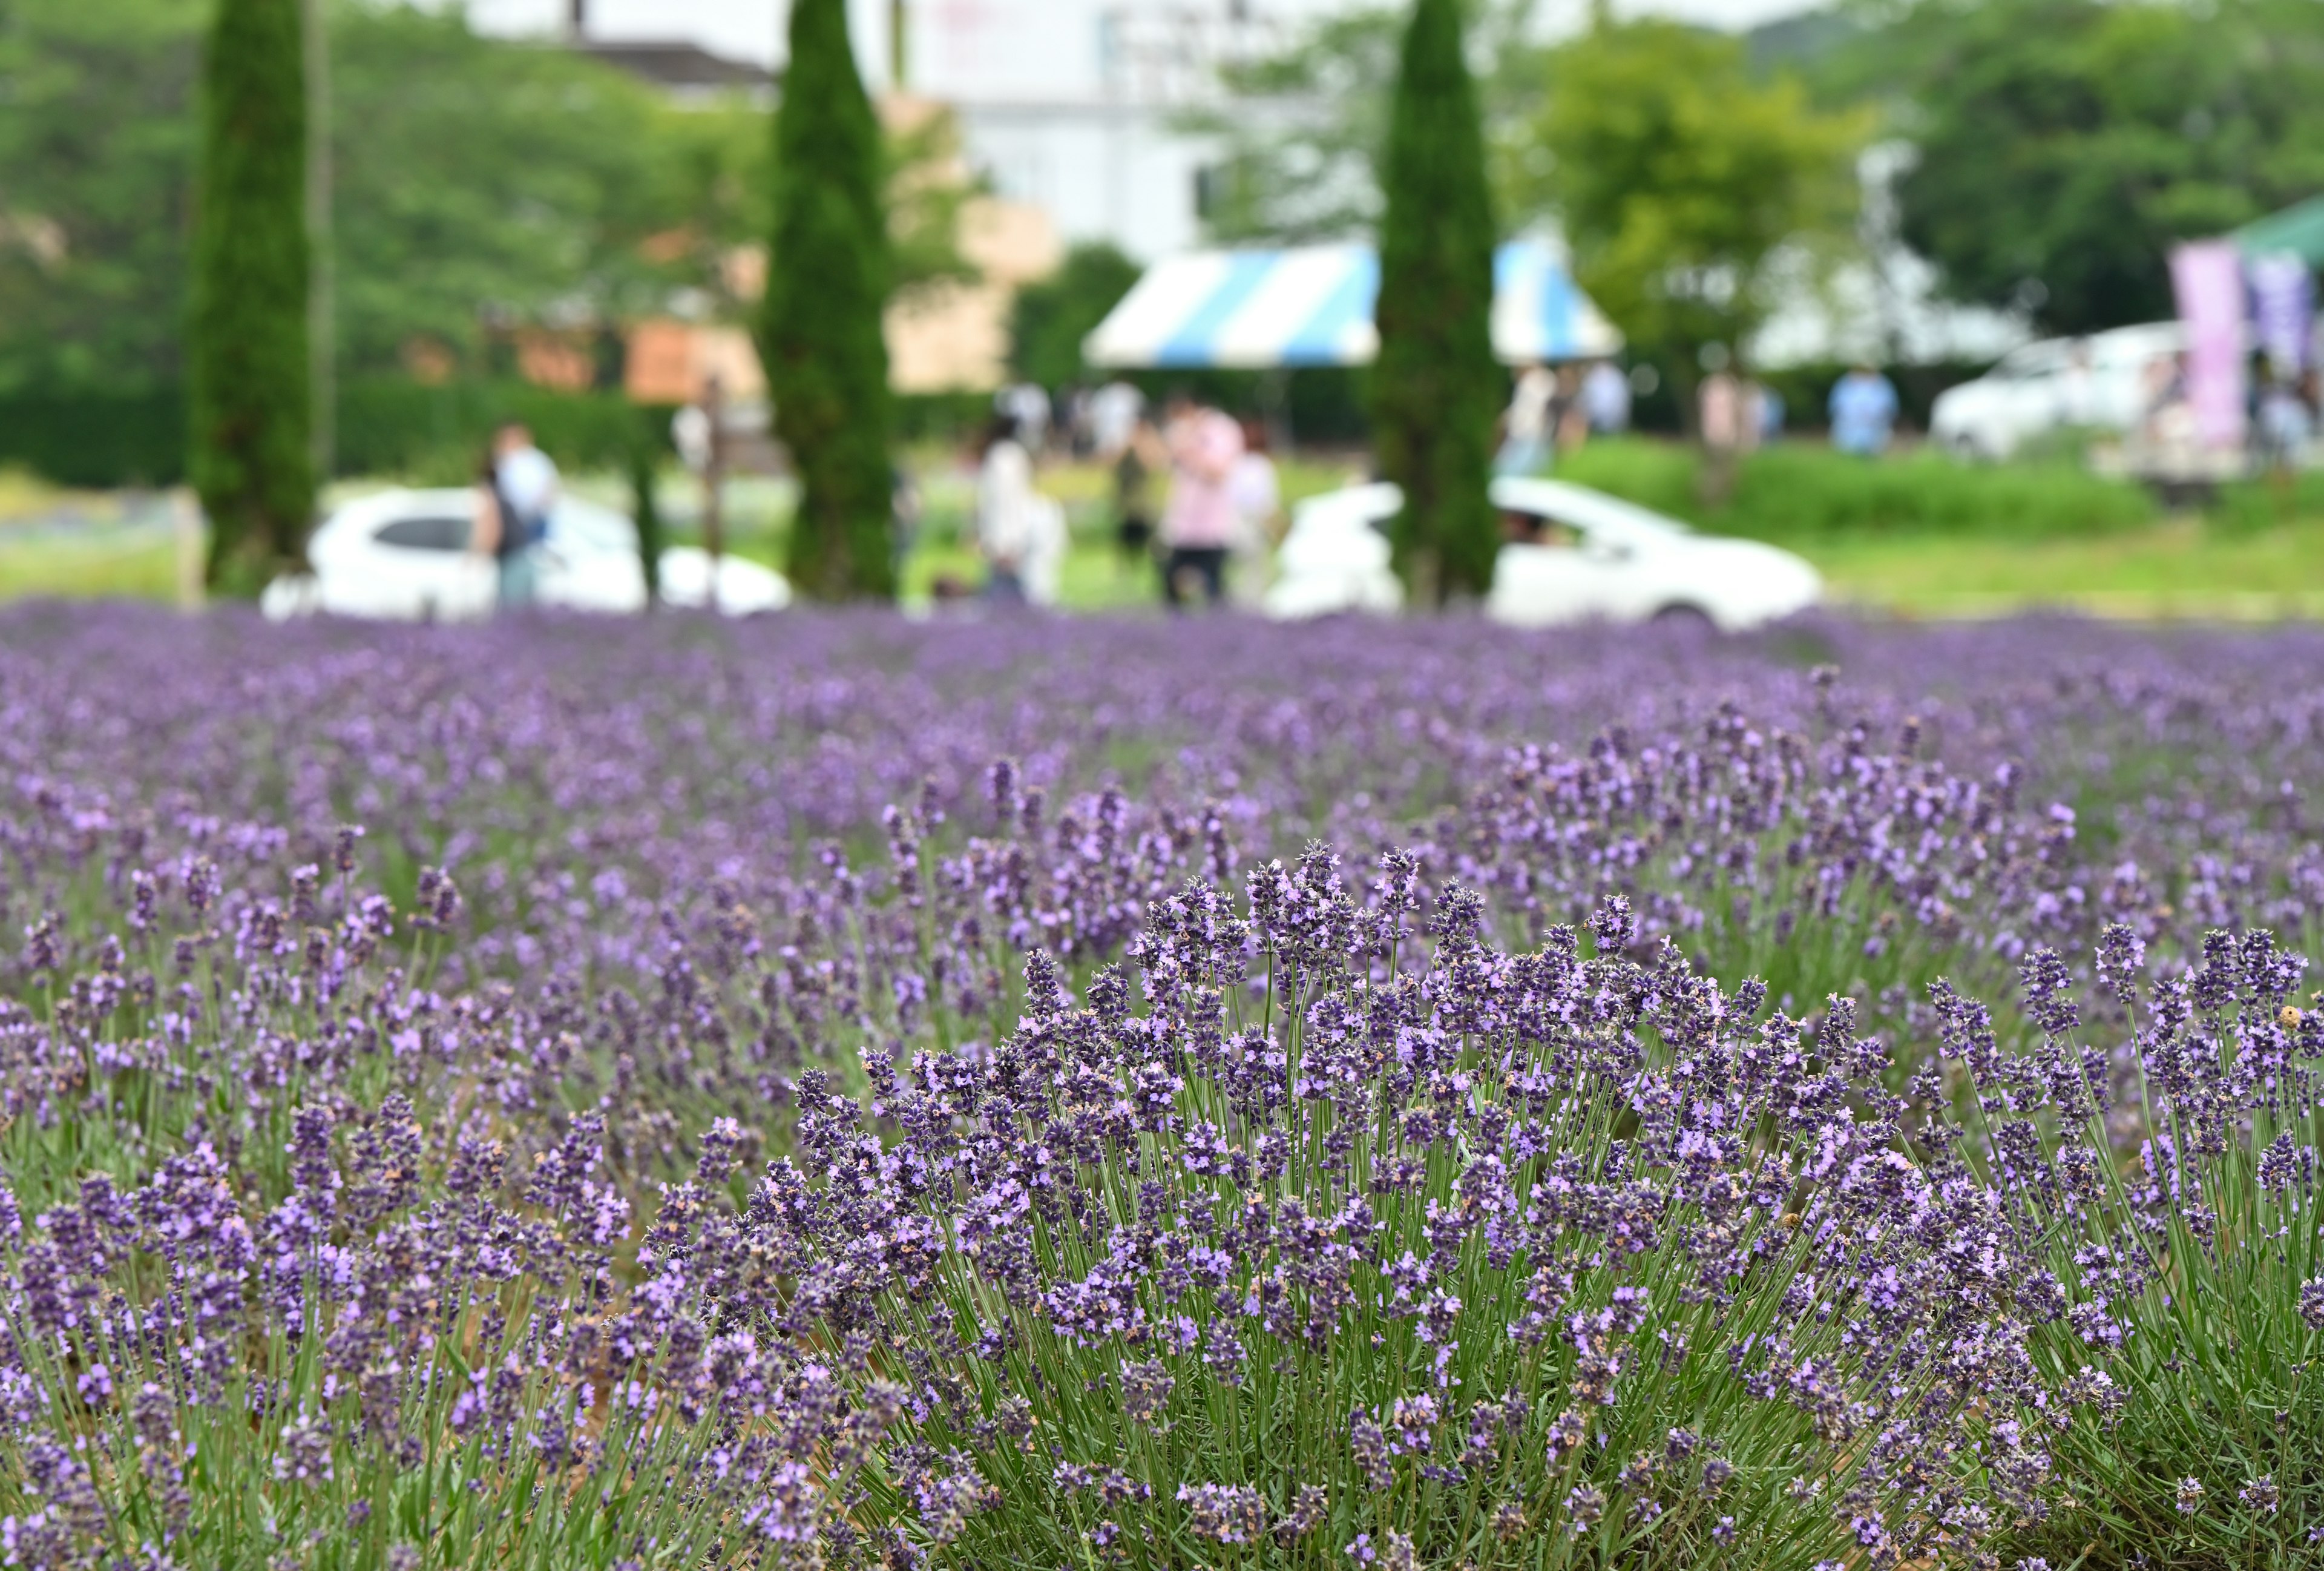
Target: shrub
1801, 494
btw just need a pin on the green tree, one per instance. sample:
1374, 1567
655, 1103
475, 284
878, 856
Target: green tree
97, 157
819, 333
1048, 320
1680, 177
246, 339
2063, 145
1303, 129
1435, 387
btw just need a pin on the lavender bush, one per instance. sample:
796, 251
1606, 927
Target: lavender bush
803, 1095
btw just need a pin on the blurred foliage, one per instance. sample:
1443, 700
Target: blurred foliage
389, 427
1680, 177
2064, 145
479, 181
97, 157
1048, 320
1303, 132
1803, 494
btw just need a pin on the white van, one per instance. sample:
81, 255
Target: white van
2102, 382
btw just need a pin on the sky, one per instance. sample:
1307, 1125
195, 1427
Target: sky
749, 29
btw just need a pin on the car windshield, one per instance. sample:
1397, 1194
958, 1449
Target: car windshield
2033, 360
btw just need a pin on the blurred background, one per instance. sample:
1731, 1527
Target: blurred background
2075, 241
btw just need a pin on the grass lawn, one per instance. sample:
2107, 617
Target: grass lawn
2238, 568
2179, 568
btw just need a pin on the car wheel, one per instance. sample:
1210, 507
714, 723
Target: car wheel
1693, 616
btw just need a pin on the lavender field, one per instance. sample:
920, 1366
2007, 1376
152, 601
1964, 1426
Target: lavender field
838, 1093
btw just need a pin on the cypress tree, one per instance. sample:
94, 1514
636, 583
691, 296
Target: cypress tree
819, 333
1435, 388
249, 417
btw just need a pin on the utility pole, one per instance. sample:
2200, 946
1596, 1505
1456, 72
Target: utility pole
577, 19
322, 313
898, 22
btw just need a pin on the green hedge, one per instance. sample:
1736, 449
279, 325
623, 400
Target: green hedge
1805, 492
397, 427
386, 426
97, 440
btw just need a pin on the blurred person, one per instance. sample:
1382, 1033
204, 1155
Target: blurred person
1073, 408
1199, 524
1005, 505
1027, 405
1528, 423
2283, 421
689, 433
1569, 418
1767, 415
1257, 495
1137, 460
519, 486
1116, 411
905, 511
1721, 422
1863, 409
1606, 398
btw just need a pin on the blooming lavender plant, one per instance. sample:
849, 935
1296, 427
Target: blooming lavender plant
632, 1112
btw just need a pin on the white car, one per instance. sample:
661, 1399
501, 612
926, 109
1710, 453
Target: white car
2101, 382
1335, 556
1598, 558
403, 556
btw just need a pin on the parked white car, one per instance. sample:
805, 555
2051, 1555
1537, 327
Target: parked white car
1335, 556
2101, 382
403, 556
1599, 560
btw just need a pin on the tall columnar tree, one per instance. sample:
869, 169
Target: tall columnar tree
1435, 387
247, 368
819, 336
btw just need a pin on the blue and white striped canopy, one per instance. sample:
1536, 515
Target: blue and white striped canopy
1312, 305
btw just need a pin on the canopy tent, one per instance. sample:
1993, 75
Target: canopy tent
1312, 305
2299, 229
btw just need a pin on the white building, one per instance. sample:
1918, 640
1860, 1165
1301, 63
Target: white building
1066, 104
1073, 105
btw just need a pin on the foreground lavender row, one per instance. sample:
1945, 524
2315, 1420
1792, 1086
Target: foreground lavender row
1454, 1216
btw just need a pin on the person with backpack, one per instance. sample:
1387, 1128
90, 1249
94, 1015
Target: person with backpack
517, 490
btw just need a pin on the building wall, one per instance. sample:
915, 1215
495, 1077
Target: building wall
1117, 174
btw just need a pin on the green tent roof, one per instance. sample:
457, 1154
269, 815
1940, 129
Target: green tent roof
2299, 228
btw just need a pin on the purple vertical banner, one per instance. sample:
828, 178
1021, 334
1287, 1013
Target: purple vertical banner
2208, 278
2283, 310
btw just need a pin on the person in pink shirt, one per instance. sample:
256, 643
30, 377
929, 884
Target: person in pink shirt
1201, 522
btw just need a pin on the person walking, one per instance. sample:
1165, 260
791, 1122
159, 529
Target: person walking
1199, 523
1863, 410
1528, 423
1606, 398
1019, 531
1257, 495
1137, 460
1723, 420
516, 492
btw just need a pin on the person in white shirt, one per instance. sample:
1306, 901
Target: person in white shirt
523, 490
1021, 533
1259, 504
1114, 412
1529, 424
